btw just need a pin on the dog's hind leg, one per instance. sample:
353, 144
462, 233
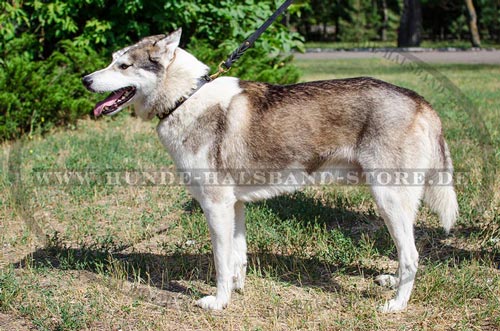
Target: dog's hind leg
398, 207
220, 218
239, 247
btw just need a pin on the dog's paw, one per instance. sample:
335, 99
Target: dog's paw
239, 282
210, 302
389, 281
239, 272
391, 306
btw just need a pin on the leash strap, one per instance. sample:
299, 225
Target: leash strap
226, 65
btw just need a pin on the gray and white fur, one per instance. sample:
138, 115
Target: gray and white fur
358, 123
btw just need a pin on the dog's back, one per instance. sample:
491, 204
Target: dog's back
310, 124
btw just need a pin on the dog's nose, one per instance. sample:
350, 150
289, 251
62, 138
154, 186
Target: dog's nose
87, 81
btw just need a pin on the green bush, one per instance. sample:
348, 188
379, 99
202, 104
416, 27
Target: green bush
47, 46
36, 95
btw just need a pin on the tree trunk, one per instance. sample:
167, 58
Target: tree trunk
497, 24
385, 21
337, 22
409, 34
474, 33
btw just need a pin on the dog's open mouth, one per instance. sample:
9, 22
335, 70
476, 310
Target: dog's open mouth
115, 101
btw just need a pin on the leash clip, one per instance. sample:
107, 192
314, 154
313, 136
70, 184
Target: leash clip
221, 70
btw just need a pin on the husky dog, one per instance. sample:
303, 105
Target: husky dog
226, 123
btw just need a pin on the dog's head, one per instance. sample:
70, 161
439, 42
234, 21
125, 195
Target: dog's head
134, 73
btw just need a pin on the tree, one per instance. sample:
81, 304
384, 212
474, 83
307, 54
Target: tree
474, 33
410, 28
496, 20
385, 21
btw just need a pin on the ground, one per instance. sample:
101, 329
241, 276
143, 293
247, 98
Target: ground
99, 256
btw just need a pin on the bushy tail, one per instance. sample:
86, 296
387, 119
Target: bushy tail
439, 193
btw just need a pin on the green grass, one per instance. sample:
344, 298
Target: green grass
102, 257
462, 44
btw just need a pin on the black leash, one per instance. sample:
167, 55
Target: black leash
224, 66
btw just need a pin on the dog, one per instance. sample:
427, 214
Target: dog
224, 124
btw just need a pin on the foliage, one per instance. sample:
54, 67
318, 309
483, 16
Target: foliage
46, 46
225, 19
36, 95
363, 20
98, 23
357, 21
489, 18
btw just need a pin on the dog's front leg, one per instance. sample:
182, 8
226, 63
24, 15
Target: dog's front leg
239, 247
220, 218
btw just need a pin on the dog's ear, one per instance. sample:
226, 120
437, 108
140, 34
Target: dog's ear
164, 48
119, 53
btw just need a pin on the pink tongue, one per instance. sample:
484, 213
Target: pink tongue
109, 101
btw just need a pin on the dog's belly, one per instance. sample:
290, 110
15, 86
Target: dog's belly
256, 193
267, 184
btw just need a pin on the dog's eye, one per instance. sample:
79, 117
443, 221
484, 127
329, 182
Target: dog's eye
124, 66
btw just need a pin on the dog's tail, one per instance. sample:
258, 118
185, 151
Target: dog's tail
439, 193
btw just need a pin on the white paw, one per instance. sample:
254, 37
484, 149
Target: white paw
210, 302
389, 281
239, 277
392, 306
238, 283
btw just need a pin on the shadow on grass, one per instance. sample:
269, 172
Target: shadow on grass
171, 273
166, 271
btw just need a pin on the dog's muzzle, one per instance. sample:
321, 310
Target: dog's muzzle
87, 82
